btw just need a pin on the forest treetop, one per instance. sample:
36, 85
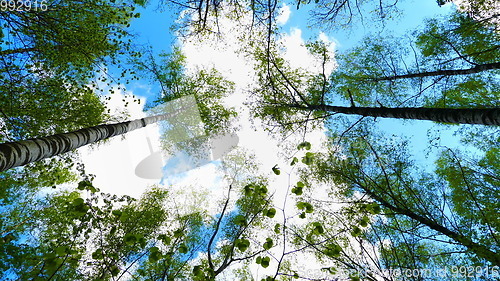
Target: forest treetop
360, 201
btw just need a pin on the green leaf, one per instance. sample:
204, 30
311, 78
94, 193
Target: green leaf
130, 239
277, 228
318, 228
178, 233
305, 206
115, 270
97, 254
309, 208
113, 230
154, 254
198, 272
333, 250
117, 213
374, 208
124, 216
183, 249
142, 241
364, 221
86, 185
61, 250
308, 158
164, 238
83, 185
276, 170
249, 188
270, 213
262, 190
300, 205
50, 256
78, 201
306, 145
242, 244
53, 263
92, 189
298, 190
356, 231
268, 244
265, 262
240, 220
295, 160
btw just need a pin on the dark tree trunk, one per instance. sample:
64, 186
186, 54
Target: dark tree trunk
475, 69
483, 116
478, 249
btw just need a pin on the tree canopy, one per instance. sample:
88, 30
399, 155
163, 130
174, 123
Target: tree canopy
359, 202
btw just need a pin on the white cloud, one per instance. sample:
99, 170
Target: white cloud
332, 43
114, 163
298, 56
324, 38
284, 15
295, 50
225, 56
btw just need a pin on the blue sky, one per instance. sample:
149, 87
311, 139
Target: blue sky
413, 15
154, 28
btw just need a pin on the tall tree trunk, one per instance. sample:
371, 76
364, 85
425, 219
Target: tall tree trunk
14, 154
475, 69
478, 249
483, 116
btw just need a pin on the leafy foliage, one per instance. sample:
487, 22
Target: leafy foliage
392, 71
208, 88
409, 214
49, 60
362, 207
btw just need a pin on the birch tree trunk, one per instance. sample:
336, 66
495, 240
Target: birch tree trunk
14, 154
483, 116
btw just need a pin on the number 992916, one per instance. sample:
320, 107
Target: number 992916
23, 6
